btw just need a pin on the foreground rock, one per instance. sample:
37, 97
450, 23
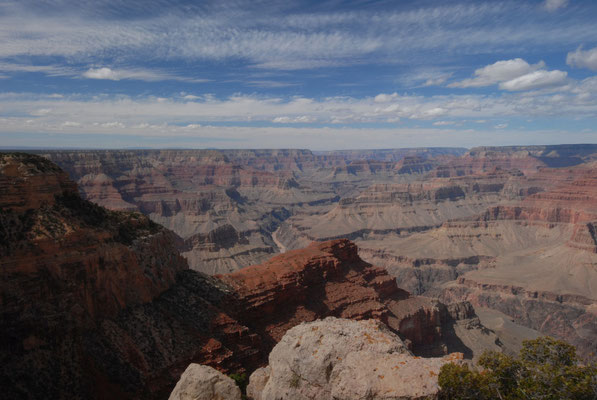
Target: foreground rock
199, 382
342, 359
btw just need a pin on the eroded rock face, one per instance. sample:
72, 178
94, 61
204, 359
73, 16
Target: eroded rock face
327, 279
200, 382
342, 359
196, 193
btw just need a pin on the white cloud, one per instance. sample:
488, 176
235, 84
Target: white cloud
554, 5
299, 119
41, 112
433, 112
499, 72
106, 73
583, 59
501, 126
277, 37
437, 81
444, 123
102, 73
536, 80
71, 124
113, 124
384, 98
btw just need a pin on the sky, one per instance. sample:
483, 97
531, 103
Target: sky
297, 74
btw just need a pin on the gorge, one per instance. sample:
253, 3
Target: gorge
210, 257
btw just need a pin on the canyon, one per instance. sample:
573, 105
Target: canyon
97, 303
515, 222
145, 261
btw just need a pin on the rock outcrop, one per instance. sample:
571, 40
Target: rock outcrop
199, 382
324, 279
342, 359
330, 279
65, 265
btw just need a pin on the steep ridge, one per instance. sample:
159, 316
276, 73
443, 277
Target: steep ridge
65, 264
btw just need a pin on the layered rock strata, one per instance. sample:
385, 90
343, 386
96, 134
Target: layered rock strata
196, 193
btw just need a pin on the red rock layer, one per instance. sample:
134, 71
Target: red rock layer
30, 182
328, 279
569, 199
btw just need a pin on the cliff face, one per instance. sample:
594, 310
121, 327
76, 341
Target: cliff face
66, 264
83, 254
324, 279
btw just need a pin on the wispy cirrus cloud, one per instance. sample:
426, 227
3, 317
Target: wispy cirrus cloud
106, 73
273, 37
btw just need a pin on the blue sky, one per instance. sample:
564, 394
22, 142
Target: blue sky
307, 74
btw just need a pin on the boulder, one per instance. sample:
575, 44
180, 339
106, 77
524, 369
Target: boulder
344, 359
200, 382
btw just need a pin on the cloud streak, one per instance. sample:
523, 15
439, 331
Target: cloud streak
118, 114
270, 39
105, 73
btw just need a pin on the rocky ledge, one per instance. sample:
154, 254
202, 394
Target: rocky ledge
328, 359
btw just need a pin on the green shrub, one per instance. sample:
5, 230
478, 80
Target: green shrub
546, 369
241, 381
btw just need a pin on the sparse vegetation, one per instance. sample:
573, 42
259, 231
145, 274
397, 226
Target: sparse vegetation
546, 369
295, 381
241, 381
